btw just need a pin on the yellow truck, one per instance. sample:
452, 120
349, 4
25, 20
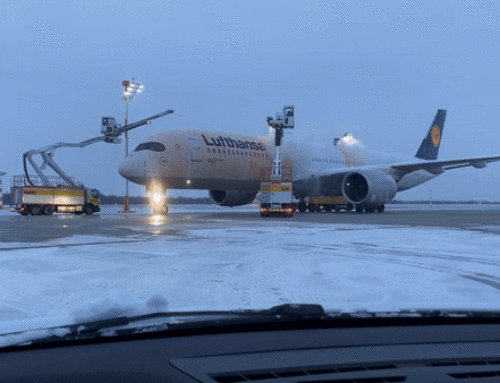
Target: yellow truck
276, 199
38, 200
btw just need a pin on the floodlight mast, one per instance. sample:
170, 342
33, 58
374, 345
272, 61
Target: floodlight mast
131, 88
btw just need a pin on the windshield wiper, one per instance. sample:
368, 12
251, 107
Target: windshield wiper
293, 314
174, 319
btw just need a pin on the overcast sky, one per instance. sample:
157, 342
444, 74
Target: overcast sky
377, 69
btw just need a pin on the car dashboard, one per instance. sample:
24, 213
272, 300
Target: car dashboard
385, 351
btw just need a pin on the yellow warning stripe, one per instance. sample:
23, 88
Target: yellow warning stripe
276, 188
93, 200
54, 192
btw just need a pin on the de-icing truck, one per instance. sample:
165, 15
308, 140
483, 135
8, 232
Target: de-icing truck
38, 200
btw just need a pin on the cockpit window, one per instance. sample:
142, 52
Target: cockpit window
153, 146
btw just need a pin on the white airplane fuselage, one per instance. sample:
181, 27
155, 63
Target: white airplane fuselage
193, 159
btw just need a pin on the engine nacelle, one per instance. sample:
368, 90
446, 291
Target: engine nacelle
368, 187
232, 197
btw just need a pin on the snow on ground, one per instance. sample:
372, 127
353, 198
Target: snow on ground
340, 266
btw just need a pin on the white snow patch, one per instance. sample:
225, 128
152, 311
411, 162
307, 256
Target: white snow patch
117, 303
342, 267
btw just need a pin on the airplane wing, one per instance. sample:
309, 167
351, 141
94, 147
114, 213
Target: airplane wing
401, 169
328, 181
440, 166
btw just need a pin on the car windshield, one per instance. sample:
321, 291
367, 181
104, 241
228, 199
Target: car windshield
251, 194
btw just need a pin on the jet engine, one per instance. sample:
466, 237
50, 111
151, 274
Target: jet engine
368, 187
232, 197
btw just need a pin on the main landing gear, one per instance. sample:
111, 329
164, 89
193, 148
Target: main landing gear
370, 209
302, 207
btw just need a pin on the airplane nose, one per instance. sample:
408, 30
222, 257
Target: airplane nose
125, 169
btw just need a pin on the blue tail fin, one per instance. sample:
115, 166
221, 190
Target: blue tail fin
430, 145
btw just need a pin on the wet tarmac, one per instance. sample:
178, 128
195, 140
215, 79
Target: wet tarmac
113, 222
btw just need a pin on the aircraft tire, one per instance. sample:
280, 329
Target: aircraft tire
359, 209
349, 207
381, 208
370, 209
163, 210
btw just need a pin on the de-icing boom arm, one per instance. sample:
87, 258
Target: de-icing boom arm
47, 152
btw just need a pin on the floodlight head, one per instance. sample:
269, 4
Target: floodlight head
131, 88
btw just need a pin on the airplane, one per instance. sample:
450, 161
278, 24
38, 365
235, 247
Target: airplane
232, 166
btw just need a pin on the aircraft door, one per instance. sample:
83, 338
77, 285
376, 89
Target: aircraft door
194, 149
195, 157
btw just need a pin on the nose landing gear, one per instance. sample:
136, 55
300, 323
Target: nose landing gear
157, 199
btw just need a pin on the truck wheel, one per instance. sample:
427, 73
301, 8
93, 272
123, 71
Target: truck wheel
36, 210
311, 207
290, 210
88, 209
48, 209
301, 207
349, 207
359, 209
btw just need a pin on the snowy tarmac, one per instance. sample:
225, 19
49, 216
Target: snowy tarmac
211, 258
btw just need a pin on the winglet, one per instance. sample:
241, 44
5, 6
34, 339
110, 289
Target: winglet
430, 145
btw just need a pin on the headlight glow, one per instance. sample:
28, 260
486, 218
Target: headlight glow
156, 197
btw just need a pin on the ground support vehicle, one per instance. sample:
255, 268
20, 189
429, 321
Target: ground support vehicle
40, 194
276, 199
38, 200
322, 203
276, 194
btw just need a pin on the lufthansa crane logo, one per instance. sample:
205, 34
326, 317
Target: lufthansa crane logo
435, 135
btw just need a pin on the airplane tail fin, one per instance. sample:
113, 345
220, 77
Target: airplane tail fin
430, 145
